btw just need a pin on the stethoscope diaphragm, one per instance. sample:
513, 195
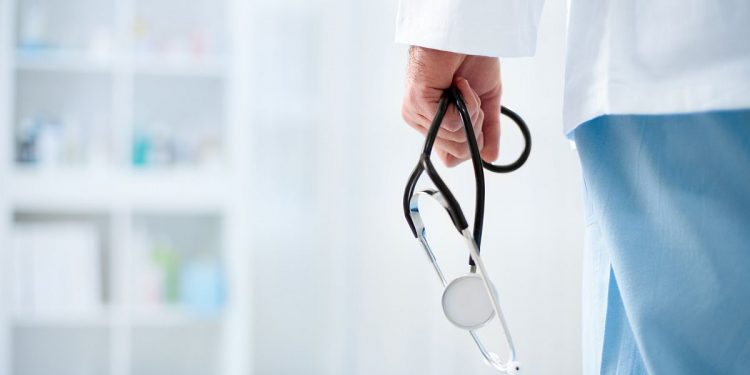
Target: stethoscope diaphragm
466, 304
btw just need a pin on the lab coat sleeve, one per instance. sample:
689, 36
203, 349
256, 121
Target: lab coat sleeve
500, 28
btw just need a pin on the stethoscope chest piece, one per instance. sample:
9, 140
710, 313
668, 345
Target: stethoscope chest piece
465, 302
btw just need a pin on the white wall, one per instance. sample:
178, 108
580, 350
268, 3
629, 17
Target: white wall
341, 286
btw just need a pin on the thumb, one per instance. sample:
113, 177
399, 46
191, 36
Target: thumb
491, 132
491, 125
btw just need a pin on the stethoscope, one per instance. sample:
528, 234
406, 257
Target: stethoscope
469, 301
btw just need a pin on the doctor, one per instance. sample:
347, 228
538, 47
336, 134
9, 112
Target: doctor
657, 99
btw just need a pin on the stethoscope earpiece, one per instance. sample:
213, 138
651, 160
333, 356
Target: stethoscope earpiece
513, 368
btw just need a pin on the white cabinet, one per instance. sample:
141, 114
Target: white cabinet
124, 188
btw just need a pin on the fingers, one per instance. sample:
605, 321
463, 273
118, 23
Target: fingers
451, 160
473, 105
419, 109
491, 132
421, 121
452, 120
457, 150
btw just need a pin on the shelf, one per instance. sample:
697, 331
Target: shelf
99, 190
190, 67
102, 318
84, 61
62, 61
170, 316
158, 317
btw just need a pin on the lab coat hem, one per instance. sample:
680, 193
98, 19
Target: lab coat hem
510, 44
650, 99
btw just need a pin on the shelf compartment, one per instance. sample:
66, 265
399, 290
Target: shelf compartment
199, 350
178, 121
197, 31
59, 265
82, 25
60, 351
63, 119
177, 266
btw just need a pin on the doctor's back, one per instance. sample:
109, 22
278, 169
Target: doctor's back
657, 99
652, 56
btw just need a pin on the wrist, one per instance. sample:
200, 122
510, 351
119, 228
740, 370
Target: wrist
433, 68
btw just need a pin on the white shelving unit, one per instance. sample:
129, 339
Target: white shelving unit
127, 117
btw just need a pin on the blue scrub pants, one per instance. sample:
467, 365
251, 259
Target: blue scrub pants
667, 258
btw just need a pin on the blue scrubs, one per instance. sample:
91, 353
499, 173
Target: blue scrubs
667, 258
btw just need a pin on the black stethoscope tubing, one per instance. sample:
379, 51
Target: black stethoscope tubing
452, 95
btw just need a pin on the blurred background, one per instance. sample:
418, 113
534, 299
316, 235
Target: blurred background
214, 187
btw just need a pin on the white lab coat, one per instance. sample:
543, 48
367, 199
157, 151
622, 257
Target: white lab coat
624, 56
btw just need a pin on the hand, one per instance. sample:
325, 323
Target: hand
429, 72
